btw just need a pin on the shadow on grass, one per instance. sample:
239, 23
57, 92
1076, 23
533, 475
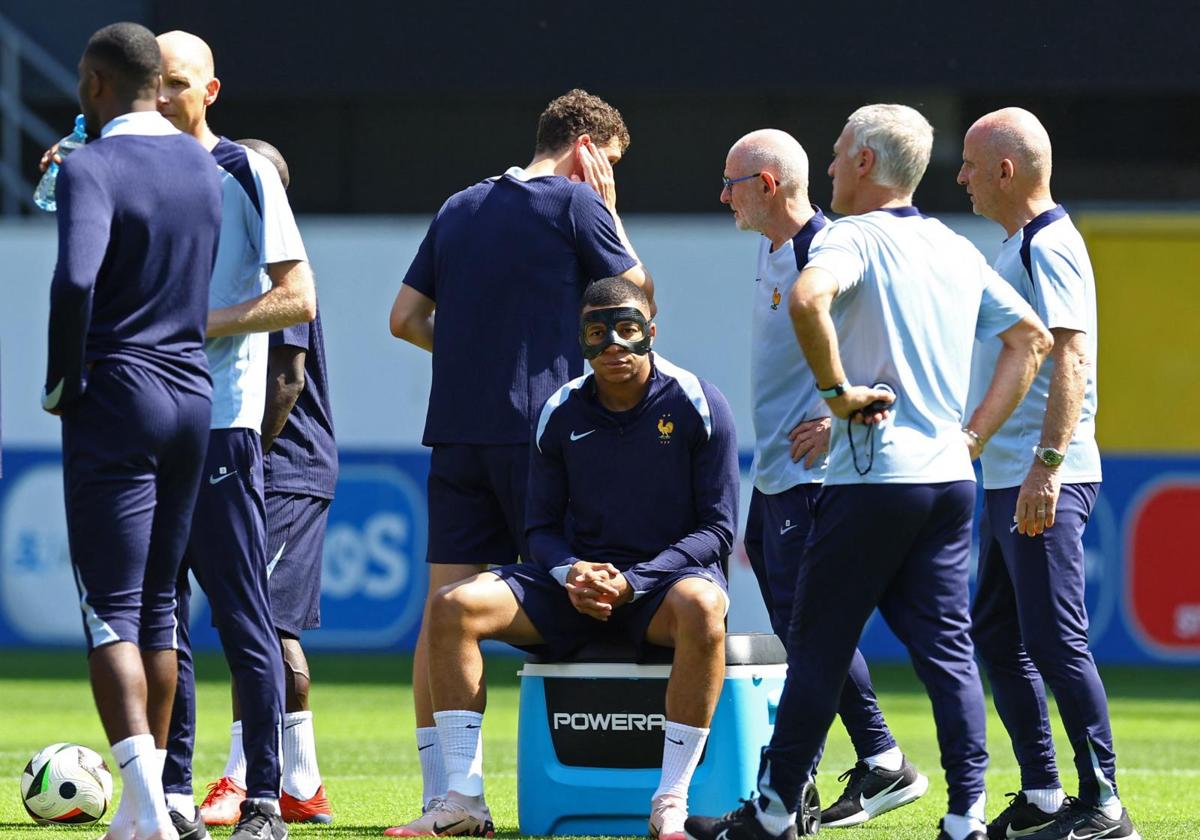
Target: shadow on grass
1159, 682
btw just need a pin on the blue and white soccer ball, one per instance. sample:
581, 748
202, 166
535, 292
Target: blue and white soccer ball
66, 783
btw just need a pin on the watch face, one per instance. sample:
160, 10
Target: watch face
1050, 457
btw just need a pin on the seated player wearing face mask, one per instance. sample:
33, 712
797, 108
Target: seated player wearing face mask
632, 505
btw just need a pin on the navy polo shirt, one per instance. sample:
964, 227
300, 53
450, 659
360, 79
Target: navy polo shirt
651, 490
506, 262
131, 282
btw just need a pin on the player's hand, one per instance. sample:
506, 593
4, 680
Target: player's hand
1037, 500
598, 173
591, 590
48, 157
974, 446
810, 438
857, 397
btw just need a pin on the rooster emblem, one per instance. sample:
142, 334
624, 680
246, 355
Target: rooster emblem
775, 298
665, 428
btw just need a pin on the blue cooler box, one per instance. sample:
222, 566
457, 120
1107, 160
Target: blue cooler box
590, 736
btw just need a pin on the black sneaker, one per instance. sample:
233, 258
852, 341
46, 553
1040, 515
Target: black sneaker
974, 835
1020, 819
188, 829
742, 823
260, 821
871, 792
1080, 821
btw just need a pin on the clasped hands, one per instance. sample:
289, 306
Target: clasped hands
596, 589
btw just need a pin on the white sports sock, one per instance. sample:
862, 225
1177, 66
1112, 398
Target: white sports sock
235, 765
890, 760
776, 824
960, 826
142, 798
682, 746
459, 733
433, 768
1112, 808
1046, 799
301, 776
182, 803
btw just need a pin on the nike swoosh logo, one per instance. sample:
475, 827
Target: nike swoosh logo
127, 763
275, 560
427, 746
438, 829
575, 437
783, 531
673, 741
217, 479
290, 725
1012, 529
50, 400
866, 800
1013, 834
1104, 833
471, 726
724, 835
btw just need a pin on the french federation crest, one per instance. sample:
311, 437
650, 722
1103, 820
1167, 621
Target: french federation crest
775, 298
666, 427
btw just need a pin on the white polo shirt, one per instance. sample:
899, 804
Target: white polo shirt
912, 298
1047, 263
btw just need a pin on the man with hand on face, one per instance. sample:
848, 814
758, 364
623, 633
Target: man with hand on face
633, 485
766, 186
891, 297
138, 220
1041, 474
504, 264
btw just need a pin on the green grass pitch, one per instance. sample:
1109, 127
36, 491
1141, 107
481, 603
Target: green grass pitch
363, 716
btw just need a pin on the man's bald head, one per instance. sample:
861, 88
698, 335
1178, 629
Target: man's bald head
186, 50
1017, 135
777, 152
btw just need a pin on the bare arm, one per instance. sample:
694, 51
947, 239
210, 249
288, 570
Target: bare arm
412, 318
292, 299
1026, 344
285, 382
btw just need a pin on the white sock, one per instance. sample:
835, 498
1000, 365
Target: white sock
890, 760
1046, 799
301, 777
182, 803
235, 765
1112, 808
776, 824
960, 826
682, 746
459, 733
142, 801
433, 768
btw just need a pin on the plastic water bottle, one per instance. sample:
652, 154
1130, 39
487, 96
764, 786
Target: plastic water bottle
43, 196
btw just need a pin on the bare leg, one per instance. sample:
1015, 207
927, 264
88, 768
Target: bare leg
440, 574
161, 667
692, 620
119, 686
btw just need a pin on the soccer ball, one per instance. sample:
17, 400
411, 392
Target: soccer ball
66, 783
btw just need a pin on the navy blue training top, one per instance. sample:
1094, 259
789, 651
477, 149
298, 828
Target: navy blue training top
506, 261
304, 458
651, 490
139, 217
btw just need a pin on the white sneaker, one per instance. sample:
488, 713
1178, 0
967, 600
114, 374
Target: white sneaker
452, 815
667, 815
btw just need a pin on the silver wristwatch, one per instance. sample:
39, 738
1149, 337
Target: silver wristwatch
1049, 456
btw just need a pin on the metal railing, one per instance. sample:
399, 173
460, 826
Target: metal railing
15, 118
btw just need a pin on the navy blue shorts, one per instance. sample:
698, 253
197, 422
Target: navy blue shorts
565, 629
477, 504
133, 446
295, 543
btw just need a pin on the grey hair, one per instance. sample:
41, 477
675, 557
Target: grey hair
779, 153
900, 137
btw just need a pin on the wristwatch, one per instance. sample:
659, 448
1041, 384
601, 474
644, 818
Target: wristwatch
835, 391
1049, 456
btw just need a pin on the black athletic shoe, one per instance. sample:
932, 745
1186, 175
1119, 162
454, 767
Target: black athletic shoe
260, 821
871, 792
1020, 819
192, 829
974, 835
739, 824
1080, 821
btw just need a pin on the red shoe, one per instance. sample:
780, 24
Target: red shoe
315, 809
223, 804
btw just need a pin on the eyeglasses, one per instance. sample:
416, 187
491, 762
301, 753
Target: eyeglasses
729, 182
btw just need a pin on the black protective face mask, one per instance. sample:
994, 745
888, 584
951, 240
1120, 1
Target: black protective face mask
624, 326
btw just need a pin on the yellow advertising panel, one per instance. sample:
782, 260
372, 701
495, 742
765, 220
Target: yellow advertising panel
1148, 294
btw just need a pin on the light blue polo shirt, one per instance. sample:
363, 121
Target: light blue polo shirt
782, 388
257, 229
1048, 265
912, 298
